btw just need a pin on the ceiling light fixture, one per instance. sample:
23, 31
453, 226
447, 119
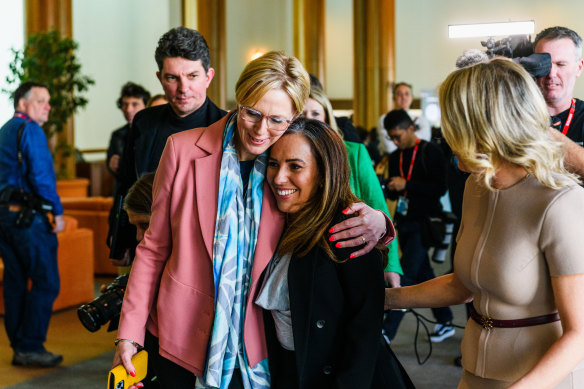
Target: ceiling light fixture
491, 29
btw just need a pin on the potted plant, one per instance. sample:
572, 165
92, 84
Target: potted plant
50, 58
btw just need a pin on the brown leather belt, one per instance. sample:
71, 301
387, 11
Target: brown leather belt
490, 323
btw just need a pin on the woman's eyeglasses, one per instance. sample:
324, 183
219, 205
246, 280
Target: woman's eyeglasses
275, 123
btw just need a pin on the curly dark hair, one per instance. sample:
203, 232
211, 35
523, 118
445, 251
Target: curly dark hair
182, 42
133, 90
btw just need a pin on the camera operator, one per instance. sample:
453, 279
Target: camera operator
107, 307
567, 112
28, 241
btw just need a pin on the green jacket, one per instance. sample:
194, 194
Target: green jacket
365, 185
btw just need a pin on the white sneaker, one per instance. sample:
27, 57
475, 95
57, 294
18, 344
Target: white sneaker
441, 332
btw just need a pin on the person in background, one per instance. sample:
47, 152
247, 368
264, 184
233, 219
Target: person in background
133, 98
157, 100
138, 204
402, 99
415, 177
567, 113
323, 310
519, 254
28, 240
363, 180
214, 228
185, 73
343, 123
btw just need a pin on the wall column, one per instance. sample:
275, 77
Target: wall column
44, 16
309, 42
210, 16
374, 53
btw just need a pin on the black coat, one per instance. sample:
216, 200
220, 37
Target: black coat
337, 315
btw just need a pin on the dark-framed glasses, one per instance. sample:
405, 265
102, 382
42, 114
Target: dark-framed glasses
275, 123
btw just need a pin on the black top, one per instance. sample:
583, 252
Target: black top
348, 129
575, 132
116, 145
337, 316
428, 181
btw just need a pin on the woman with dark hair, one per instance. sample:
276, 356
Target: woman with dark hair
324, 309
362, 178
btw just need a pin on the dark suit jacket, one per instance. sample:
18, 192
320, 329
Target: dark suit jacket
337, 315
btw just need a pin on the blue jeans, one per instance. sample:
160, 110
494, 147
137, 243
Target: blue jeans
416, 267
28, 253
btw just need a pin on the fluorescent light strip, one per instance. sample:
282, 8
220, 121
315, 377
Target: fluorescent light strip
491, 29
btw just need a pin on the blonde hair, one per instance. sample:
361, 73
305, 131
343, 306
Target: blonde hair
319, 96
273, 70
493, 113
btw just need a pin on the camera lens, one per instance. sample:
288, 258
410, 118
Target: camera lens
90, 317
104, 308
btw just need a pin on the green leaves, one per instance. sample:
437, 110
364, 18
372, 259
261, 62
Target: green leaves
50, 58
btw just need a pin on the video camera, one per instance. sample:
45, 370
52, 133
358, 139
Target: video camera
520, 49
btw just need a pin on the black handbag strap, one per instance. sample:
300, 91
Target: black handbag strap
19, 154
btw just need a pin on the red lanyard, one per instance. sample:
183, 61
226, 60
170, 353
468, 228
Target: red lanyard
401, 161
568, 119
22, 116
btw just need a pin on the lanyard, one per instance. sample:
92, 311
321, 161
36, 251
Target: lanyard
568, 119
22, 116
401, 161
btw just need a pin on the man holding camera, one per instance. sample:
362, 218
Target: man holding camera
567, 113
28, 241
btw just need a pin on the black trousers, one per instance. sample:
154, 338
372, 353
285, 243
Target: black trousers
169, 375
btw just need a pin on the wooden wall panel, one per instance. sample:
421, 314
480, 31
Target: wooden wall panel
43, 16
211, 23
374, 53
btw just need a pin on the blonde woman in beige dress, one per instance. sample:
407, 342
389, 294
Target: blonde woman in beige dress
520, 254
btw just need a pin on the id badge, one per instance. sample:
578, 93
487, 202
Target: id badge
402, 205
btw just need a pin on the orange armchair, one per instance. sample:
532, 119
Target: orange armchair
93, 213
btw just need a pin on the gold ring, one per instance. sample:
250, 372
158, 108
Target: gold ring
364, 240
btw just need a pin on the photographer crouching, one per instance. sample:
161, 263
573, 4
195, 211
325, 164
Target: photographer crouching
28, 241
106, 308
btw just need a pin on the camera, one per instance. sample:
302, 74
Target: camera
106, 307
520, 49
30, 203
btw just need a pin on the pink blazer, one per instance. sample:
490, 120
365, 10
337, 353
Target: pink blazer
171, 287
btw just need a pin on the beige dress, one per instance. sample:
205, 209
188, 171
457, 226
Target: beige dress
511, 242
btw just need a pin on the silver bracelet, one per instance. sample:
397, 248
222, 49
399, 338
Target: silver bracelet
129, 341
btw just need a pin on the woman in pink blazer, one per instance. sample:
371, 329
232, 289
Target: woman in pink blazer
197, 269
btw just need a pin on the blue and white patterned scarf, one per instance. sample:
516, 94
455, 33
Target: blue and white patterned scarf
236, 231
